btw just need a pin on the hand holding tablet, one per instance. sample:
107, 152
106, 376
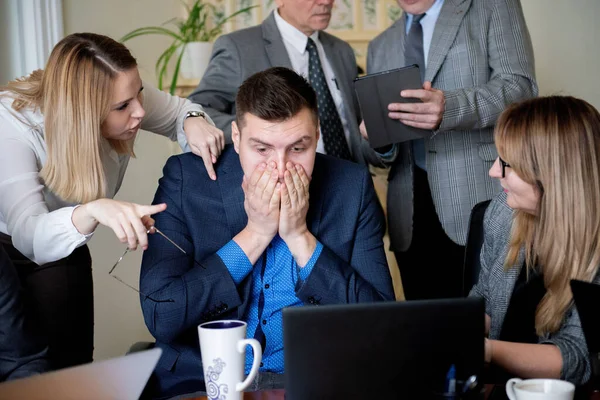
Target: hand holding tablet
375, 92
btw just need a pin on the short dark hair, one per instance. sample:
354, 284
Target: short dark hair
275, 94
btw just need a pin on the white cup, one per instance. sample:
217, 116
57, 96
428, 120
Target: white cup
223, 346
538, 389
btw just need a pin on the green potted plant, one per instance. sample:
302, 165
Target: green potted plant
191, 40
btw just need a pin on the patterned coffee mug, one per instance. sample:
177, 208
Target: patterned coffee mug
223, 346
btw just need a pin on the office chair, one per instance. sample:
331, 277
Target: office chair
473, 245
587, 297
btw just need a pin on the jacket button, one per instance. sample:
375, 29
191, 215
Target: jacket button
311, 300
264, 321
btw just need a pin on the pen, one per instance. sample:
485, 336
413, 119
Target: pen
451, 382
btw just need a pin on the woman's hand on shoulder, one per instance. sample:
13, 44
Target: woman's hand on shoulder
205, 140
129, 221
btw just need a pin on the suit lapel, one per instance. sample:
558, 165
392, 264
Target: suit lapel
276, 51
395, 57
335, 60
345, 84
230, 183
446, 28
317, 192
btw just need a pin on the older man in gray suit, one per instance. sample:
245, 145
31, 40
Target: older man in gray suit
292, 36
476, 58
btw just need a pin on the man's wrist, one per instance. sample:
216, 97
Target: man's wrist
302, 246
252, 243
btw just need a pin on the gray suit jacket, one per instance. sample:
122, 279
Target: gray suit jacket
238, 55
496, 285
479, 79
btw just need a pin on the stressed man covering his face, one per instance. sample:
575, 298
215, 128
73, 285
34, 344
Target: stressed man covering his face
283, 226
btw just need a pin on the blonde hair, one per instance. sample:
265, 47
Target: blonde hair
554, 144
73, 93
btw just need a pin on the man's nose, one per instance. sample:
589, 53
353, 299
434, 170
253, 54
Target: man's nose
327, 3
281, 162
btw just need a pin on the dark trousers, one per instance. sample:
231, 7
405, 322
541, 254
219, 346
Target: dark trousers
432, 266
60, 296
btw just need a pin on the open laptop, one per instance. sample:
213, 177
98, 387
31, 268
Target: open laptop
117, 378
390, 350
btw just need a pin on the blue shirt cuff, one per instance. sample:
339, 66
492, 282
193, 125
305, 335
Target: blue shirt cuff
235, 260
390, 155
303, 273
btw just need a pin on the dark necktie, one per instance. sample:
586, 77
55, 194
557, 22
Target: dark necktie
332, 130
413, 54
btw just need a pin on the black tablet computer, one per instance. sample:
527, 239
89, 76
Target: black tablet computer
375, 92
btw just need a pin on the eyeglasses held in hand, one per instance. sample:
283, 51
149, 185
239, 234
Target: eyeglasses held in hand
127, 251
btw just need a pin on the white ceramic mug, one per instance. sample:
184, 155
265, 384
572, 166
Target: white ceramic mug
223, 346
538, 389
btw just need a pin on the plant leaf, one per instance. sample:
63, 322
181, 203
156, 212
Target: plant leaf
163, 63
151, 30
176, 72
196, 27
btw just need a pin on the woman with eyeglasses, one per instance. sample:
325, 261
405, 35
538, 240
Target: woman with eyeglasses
66, 137
543, 231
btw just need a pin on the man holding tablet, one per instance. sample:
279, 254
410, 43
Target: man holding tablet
475, 58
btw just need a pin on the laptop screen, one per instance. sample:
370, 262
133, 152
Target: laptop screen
381, 350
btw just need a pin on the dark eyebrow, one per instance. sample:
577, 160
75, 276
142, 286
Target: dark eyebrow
119, 104
302, 139
258, 141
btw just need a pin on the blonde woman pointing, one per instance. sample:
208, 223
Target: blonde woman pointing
66, 136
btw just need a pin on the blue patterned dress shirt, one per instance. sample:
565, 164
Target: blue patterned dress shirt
276, 276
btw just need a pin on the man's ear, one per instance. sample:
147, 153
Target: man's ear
318, 130
235, 136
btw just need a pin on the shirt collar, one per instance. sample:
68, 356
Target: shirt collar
293, 35
432, 13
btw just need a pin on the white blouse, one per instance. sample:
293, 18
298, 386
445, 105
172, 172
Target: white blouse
38, 221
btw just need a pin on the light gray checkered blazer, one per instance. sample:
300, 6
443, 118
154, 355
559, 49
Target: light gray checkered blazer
496, 285
481, 57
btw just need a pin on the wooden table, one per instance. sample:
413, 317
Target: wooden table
280, 394
262, 395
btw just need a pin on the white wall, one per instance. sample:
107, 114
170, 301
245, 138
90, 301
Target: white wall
565, 38
118, 317
10, 63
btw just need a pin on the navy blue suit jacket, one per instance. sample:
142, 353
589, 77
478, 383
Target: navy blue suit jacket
203, 215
